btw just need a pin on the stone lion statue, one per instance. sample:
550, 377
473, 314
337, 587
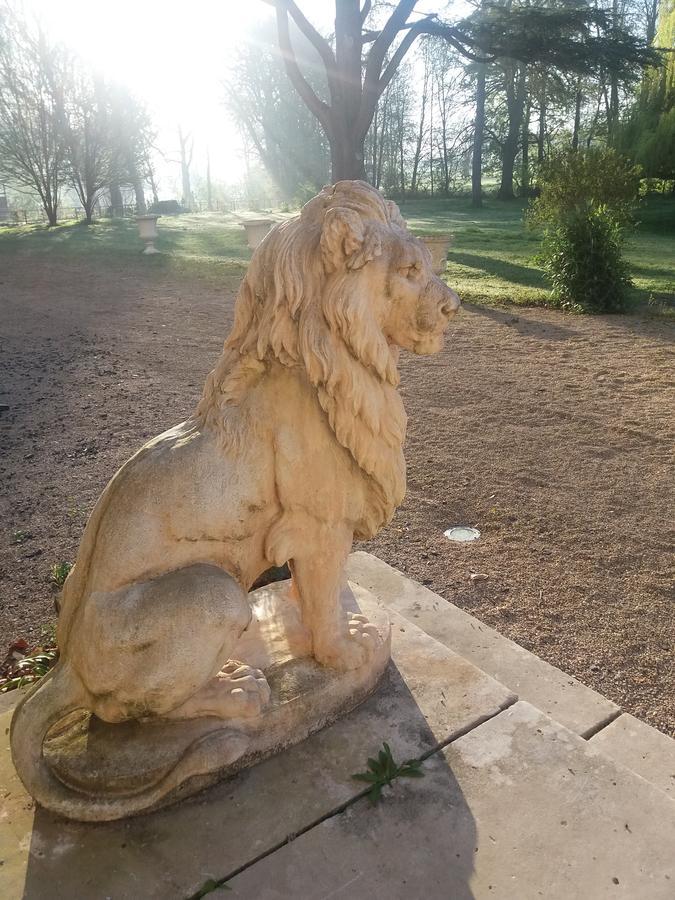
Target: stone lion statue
294, 450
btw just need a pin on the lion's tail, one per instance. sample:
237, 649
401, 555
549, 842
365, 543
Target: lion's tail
59, 693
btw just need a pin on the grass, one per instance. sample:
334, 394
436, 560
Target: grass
492, 259
493, 256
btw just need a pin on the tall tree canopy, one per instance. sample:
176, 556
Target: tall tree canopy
361, 60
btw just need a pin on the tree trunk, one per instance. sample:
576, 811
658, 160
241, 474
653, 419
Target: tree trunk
116, 201
577, 117
139, 194
478, 132
347, 158
541, 138
509, 153
525, 162
515, 101
347, 146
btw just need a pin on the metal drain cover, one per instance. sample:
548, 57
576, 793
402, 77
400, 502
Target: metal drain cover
462, 534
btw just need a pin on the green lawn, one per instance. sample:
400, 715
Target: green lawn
492, 259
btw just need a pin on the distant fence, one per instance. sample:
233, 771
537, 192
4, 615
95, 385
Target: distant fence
14, 216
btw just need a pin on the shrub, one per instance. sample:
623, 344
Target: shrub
583, 261
166, 208
585, 204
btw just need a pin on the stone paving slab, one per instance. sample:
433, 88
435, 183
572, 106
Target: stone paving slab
560, 696
520, 808
429, 695
641, 748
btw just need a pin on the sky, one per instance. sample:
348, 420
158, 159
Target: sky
174, 56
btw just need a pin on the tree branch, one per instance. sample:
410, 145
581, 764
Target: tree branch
320, 109
317, 40
396, 22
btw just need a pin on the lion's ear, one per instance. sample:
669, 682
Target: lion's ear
345, 241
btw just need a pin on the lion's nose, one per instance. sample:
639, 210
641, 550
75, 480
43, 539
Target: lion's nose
450, 304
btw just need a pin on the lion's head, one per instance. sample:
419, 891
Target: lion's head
337, 290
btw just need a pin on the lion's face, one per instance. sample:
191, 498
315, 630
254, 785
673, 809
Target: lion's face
417, 304
392, 271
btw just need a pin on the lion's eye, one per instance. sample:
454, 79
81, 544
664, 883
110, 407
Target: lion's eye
409, 271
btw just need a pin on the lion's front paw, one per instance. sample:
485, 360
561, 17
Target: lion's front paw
248, 690
352, 649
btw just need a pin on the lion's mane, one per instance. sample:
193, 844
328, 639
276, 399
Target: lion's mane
295, 308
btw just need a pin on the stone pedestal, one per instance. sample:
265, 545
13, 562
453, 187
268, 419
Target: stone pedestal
147, 230
256, 229
438, 246
115, 762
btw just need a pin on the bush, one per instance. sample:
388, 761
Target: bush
585, 204
166, 208
583, 261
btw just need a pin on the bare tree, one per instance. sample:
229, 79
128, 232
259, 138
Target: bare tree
94, 148
31, 112
356, 77
186, 142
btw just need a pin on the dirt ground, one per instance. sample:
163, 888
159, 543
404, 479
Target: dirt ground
551, 434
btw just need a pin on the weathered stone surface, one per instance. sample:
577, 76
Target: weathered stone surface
559, 695
295, 448
520, 808
98, 759
641, 748
427, 696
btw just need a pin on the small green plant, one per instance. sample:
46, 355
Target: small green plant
59, 573
29, 669
383, 770
20, 536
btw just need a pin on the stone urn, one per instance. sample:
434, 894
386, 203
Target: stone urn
147, 230
256, 229
438, 245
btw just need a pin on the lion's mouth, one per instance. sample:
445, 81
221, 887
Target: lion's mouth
429, 343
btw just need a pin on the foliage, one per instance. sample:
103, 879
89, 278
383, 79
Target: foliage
647, 134
32, 144
18, 669
59, 573
586, 202
274, 122
576, 184
383, 770
583, 260
166, 208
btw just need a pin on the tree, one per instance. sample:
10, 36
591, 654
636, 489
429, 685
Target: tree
131, 129
32, 145
648, 133
360, 62
355, 77
186, 142
284, 134
94, 148
541, 44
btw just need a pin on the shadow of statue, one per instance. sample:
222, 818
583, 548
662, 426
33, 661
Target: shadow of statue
221, 831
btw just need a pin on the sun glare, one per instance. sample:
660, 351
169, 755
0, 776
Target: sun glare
174, 56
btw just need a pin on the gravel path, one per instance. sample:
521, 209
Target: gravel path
551, 434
